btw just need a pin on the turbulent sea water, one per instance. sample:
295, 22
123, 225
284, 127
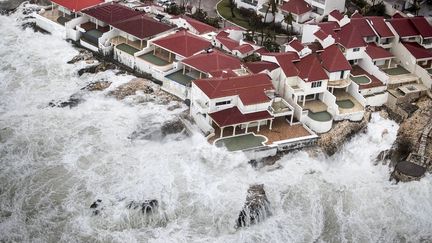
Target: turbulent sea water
54, 162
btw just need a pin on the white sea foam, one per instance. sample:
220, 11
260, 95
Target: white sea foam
54, 162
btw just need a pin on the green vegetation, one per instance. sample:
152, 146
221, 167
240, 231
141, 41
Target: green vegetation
224, 9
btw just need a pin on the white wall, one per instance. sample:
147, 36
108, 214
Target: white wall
353, 89
124, 58
50, 26
337, 75
71, 32
368, 65
252, 108
307, 33
377, 100
352, 55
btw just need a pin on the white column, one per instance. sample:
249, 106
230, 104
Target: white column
184, 70
292, 118
259, 123
247, 126
221, 131
271, 124
304, 100
234, 128
389, 63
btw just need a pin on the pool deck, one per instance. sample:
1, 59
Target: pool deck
181, 78
314, 105
281, 131
342, 95
356, 71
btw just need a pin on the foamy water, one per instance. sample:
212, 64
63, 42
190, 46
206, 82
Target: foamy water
54, 162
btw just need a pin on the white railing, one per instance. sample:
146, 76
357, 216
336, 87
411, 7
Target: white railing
71, 32
318, 126
330, 100
353, 90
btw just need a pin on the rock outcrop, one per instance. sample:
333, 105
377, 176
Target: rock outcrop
411, 153
342, 131
146, 207
101, 67
97, 86
74, 100
256, 208
172, 127
96, 207
83, 55
130, 88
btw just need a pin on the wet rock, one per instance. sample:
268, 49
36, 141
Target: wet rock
147, 133
96, 203
132, 87
406, 171
174, 107
172, 127
101, 67
146, 207
342, 131
73, 101
84, 55
97, 86
96, 206
256, 208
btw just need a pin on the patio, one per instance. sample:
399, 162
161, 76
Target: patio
281, 130
92, 37
241, 142
346, 102
374, 81
399, 70
56, 16
127, 48
314, 105
180, 78
135, 44
155, 60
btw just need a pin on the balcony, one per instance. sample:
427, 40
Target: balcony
340, 83
280, 107
250, 2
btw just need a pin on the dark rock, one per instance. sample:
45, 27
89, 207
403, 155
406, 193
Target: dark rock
96, 212
146, 207
172, 127
97, 86
96, 203
256, 208
406, 171
174, 107
73, 101
83, 55
97, 68
148, 133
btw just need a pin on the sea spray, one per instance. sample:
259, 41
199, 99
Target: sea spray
54, 162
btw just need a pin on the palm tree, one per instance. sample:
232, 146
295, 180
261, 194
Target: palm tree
288, 19
232, 6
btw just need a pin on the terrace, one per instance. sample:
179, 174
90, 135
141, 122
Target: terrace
281, 131
317, 110
153, 59
56, 16
92, 32
346, 102
121, 40
181, 78
364, 79
127, 48
340, 83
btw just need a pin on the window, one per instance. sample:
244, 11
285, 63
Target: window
356, 49
227, 102
316, 84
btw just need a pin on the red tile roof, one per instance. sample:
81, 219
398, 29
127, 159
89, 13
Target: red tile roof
213, 61
380, 26
377, 52
142, 26
77, 5
422, 26
310, 69
262, 50
350, 37
336, 14
298, 7
183, 43
198, 25
257, 67
225, 73
110, 13
397, 15
320, 34
356, 15
418, 51
296, 45
361, 25
333, 59
285, 61
404, 27
233, 116
244, 48
226, 41
250, 89
329, 27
